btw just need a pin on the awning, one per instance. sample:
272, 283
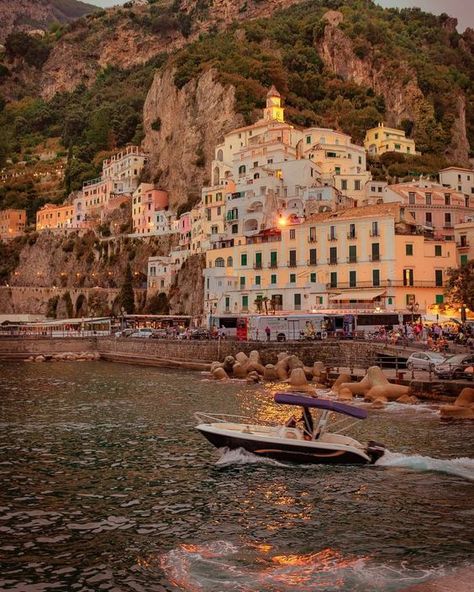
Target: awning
358, 295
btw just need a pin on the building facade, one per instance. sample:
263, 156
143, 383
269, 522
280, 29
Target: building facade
52, 216
464, 234
381, 139
148, 205
458, 178
12, 223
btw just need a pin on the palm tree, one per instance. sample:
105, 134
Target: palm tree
258, 304
265, 303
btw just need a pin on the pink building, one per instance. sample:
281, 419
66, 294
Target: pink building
146, 201
432, 205
184, 229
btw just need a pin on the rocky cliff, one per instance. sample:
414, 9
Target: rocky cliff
182, 128
27, 15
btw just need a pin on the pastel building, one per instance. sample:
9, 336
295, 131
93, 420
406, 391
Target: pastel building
432, 205
458, 178
362, 259
12, 223
464, 234
125, 168
161, 271
52, 216
149, 206
381, 139
184, 230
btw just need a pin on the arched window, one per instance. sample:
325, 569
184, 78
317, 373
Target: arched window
220, 155
256, 176
242, 169
230, 262
219, 262
216, 176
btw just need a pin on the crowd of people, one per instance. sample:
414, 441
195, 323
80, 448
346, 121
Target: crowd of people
437, 337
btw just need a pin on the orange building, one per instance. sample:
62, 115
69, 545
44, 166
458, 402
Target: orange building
12, 223
55, 216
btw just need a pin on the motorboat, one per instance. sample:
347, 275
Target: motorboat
303, 441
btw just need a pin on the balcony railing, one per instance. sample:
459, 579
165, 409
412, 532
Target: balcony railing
273, 265
351, 235
292, 264
374, 257
257, 266
332, 237
462, 245
352, 260
312, 239
312, 262
332, 261
374, 233
388, 284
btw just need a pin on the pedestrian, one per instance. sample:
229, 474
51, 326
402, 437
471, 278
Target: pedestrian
268, 332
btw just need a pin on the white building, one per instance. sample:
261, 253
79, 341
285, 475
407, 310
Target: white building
161, 271
459, 179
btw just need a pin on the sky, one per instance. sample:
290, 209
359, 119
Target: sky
463, 10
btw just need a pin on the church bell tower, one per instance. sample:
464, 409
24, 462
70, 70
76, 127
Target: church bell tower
273, 111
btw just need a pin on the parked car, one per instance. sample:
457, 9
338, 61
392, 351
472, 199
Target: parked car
199, 334
142, 333
124, 332
159, 334
424, 360
455, 367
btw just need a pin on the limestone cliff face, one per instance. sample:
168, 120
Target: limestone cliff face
192, 120
397, 84
187, 292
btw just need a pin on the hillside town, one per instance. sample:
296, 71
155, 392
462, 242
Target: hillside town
292, 218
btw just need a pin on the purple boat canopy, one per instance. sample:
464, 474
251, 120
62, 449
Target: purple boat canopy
326, 404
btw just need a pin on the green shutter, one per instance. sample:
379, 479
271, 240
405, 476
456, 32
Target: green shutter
312, 278
273, 279
245, 301
464, 259
257, 280
242, 281
439, 299
243, 259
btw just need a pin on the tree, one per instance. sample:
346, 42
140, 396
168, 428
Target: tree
158, 304
259, 304
126, 296
460, 287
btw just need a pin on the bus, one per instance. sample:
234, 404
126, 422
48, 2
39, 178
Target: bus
287, 327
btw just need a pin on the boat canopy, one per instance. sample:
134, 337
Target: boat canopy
326, 404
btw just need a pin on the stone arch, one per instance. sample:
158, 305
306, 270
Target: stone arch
251, 225
219, 262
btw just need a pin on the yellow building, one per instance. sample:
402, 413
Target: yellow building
12, 223
381, 139
369, 259
52, 216
464, 235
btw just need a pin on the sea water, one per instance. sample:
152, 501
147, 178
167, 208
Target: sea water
106, 485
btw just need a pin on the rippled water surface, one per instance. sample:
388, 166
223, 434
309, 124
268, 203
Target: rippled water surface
105, 485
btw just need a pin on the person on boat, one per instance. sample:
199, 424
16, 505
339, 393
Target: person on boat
306, 419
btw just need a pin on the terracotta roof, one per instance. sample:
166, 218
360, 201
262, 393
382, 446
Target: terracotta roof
388, 209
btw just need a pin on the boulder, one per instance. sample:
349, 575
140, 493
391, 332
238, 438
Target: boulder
463, 407
40, 359
255, 367
253, 377
239, 370
30, 359
228, 364
241, 358
270, 372
298, 378
344, 394
219, 374
254, 356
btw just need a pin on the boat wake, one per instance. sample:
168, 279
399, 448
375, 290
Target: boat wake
222, 566
461, 467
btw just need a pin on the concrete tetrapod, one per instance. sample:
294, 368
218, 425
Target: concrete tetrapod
463, 407
375, 385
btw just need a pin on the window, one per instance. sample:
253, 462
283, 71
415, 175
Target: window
230, 262
376, 277
438, 277
273, 259
447, 219
332, 233
333, 256
235, 228
375, 251
438, 251
255, 164
292, 261
357, 185
312, 278
344, 184
447, 199
337, 170
408, 277
245, 302
464, 259
312, 234
390, 300
273, 278
352, 254
409, 249
375, 229
397, 147
312, 257
429, 219
352, 231
242, 281
333, 279
243, 259
258, 280
297, 300
439, 299
292, 234
242, 169
258, 260
308, 139
352, 279
227, 303
219, 262
411, 198
428, 199
292, 278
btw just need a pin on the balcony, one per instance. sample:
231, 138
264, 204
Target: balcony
387, 284
257, 266
351, 235
312, 262
374, 257
292, 264
332, 261
374, 233
448, 225
273, 265
312, 239
332, 237
462, 245
352, 260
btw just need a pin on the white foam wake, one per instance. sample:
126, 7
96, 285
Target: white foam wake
240, 456
461, 467
220, 566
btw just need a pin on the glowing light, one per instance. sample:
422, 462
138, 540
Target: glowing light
282, 221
